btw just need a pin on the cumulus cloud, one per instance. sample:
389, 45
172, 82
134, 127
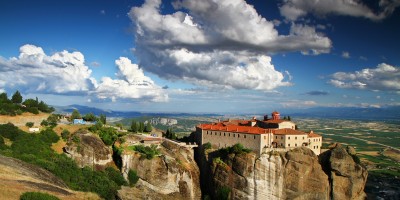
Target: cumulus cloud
382, 78
216, 43
132, 84
63, 72
66, 73
295, 9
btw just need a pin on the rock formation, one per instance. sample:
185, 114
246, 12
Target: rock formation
88, 150
174, 173
347, 177
296, 174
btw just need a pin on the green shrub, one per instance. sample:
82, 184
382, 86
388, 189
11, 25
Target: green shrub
29, 124
65, 134
207, 146
37, 196
223, 193
148, 151
132, 177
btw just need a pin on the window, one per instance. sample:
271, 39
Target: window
224, 134
238, 135
295, 138
233, 135
276, 137
244, 136
288, 145
289, 138
295, 145
229, 134
265, 137
309, 140
282, 137
219, 133
215, 133
303, 137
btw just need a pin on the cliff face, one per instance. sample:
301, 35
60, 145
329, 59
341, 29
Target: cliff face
88, 150
296, 174
347, 177
174, 174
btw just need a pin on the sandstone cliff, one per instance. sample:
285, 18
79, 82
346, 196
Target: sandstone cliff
172, 175
88, 149
297, 174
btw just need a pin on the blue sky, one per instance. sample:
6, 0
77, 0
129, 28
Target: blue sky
202, 56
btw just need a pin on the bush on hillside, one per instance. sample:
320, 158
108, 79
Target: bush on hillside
132, 177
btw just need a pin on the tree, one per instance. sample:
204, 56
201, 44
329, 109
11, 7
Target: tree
285, 118
148, 127
90, 117
3, 97
16, 97
29, 124
52, 120
134, 126
103, 119
141, 127
288, 118
75, 115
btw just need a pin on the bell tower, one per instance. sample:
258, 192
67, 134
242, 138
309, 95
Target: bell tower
275, 115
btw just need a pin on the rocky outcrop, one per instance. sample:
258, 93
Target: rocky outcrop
88, 149
296, 174
173, 173
347, 177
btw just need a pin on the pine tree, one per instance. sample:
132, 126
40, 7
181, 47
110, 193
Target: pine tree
103, 119
148, 127
134, 126
288, 118
141, 127
16, 97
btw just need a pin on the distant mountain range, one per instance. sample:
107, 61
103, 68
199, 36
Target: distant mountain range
123, 114
387, 113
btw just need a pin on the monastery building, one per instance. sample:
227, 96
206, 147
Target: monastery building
259, 135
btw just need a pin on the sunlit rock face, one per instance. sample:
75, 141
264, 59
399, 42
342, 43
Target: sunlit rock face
297, 174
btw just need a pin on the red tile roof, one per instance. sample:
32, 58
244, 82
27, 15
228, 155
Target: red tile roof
275, 121
312, 134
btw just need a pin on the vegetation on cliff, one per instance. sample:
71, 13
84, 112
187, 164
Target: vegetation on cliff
36, 149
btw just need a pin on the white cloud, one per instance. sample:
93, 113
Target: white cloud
34, 71
295, 9
216, 43
66, 73
383, 78
345, 54
133, 84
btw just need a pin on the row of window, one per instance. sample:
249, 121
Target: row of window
229, 134
315, 140
315, 147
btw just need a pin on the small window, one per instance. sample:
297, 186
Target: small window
276, 137
233, 135
289, 138
265, 137
303, 137
238, 135
215, 133
295, 145
288, 145
282, 137
224, 134
219, 133
295, 138
229, 134
244, 136
309, 140
254, 137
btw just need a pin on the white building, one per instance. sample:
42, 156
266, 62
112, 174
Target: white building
260, 136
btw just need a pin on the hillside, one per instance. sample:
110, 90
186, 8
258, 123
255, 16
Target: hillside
20, 120
17, 177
